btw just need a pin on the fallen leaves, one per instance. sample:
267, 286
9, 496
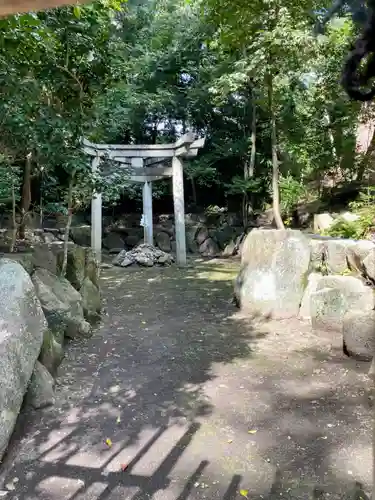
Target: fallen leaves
252, 431
244, 493
108, 442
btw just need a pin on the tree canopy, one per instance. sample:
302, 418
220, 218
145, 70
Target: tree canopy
251, 77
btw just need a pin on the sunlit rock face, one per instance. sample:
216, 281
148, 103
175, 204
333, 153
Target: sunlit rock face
274, 272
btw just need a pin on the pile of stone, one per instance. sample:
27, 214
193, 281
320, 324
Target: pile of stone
326, 281
144, 255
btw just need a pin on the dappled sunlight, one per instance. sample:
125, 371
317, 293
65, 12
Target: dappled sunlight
180, 396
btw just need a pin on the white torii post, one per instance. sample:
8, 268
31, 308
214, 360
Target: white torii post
138, 163
179, 210
147, 212
96, 216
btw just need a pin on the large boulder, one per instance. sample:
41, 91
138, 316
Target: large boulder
92, 268
90, 300
357, 253
369, 265
62, 305
209, 248
322, 222
191, 244
75, 265
81, 235
52, 351
41, 388
202, 235
113, 240
224, 235
334, 297
163, 241
274, 272
21, 336
312, 284
359, 334
336, 251
317, 246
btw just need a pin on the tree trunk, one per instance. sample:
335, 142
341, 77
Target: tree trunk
275, 160
193, 190
68, 226
249, 170
14, 220
367, 159
26, 196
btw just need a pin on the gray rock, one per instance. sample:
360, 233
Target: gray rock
90, 301
92, 267
230, 249
334, 297
133, 240
357, 253
191, 244
48, 237
369, 265
305, 309
201, 235
81, 235
322, 222
144, 260
223, 235
113, 240
275, 265
115, 251
359, 334
163, 241
75, 266
52, 351
335, 255
62, 305
41, 388
209, 248
116, 261
21, 336
317, 254
239, 243
165, 259
44, 256
328, 307
354, 290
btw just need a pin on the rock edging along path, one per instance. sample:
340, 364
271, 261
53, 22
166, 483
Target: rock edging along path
176, 398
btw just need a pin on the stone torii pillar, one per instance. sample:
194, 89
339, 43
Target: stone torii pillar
96, 216
179, 210
148, 233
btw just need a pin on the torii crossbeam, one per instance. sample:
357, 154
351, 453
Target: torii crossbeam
146, 163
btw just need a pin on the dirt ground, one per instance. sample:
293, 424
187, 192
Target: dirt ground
197, 402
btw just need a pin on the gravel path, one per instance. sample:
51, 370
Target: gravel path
197, 402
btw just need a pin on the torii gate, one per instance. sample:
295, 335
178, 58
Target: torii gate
146, 163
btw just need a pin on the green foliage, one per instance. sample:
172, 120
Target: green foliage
364, 226
149, 71
10, 181
345, 229
292, 191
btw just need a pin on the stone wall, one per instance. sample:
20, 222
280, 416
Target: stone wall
208, 235
39, 310
328, 282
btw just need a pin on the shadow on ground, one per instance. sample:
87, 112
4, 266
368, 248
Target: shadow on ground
175, 398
